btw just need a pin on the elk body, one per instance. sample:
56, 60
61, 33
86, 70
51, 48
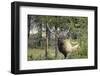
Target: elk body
65, 47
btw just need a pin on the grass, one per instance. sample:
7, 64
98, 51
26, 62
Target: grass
39, 54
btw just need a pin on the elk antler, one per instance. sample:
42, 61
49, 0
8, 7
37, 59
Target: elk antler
68, 30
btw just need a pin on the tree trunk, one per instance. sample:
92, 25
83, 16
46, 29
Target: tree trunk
29, 26
56, 52
46, 48
40, 35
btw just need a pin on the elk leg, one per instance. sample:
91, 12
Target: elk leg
65, 55
69, 56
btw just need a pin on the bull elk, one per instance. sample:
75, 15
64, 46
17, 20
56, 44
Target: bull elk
64, 44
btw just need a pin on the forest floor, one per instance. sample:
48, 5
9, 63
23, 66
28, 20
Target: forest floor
39, 54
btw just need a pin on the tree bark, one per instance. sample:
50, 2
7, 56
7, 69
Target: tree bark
40, 36
46, 48
29, 26
56, 52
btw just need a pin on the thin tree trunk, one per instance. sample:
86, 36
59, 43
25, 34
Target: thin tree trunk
46, 48
56, 52
29, 26
40, 36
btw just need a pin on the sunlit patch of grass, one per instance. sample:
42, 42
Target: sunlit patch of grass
39, 54
35, 54
78, 55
